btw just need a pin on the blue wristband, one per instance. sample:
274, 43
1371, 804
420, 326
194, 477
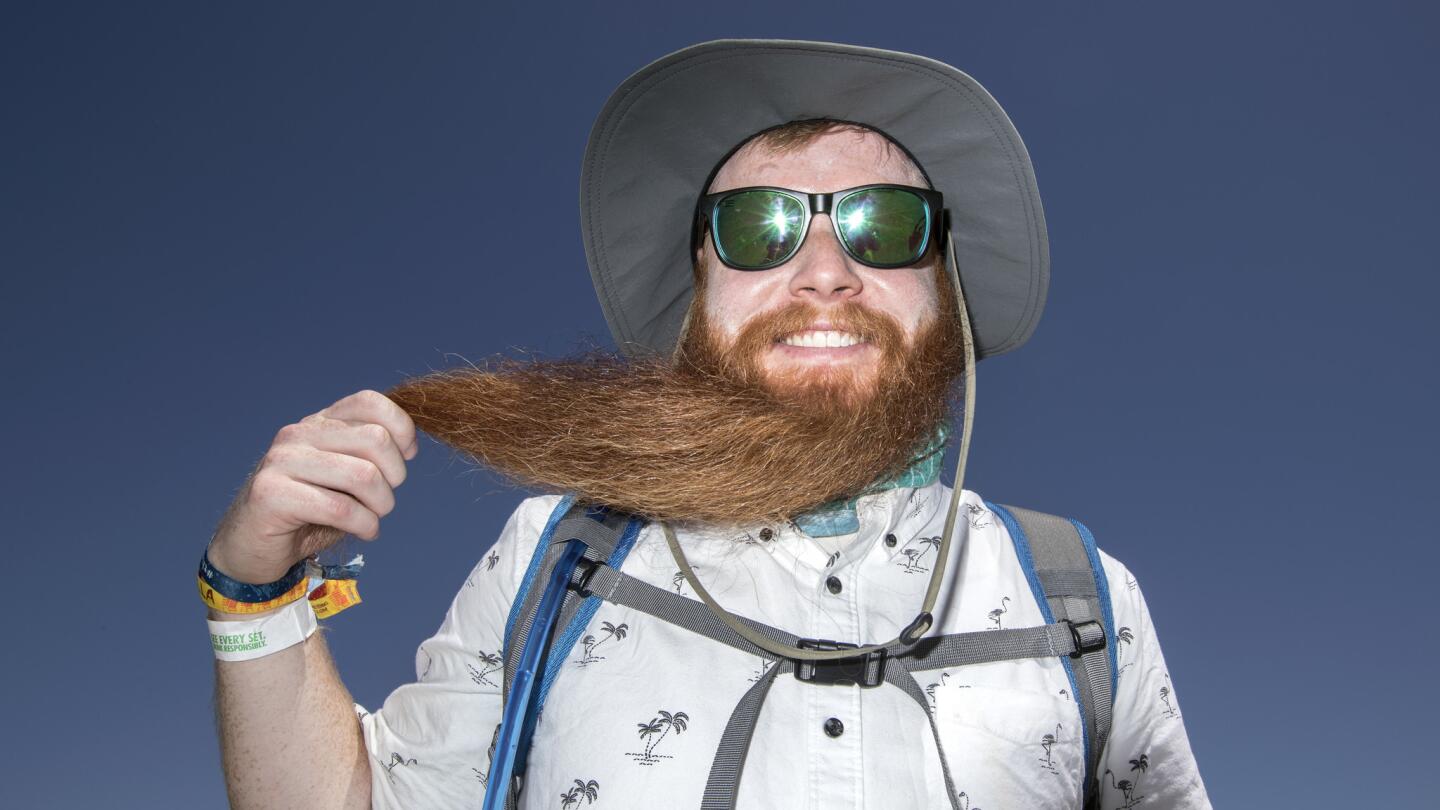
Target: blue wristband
244, 591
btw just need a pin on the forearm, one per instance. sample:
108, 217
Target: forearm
289, 736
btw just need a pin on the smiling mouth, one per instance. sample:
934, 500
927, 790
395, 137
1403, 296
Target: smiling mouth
822, 339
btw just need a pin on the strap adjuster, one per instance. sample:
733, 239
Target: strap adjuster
585, 568
866, 670
1089, 637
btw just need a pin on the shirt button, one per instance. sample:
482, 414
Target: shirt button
834, 585
767, 534
890, 540
834, 727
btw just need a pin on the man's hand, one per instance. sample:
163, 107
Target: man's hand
333, 472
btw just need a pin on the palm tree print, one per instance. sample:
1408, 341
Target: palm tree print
914, 556
1065, 693
660, 725
1126, 787
489, 566
1047, 742
979, 516
589, 643
492, 662
965, 801
480, 776
589, 790
997, 613
765, 664
677, 582
834, 558
1170, 710
428, 663
1125, 636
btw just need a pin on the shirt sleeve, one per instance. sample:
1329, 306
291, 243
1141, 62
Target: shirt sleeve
1147, 761
429, 742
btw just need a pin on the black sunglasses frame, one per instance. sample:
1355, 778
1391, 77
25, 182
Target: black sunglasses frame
820, 203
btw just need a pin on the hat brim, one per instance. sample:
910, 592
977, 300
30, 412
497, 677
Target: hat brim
662, 132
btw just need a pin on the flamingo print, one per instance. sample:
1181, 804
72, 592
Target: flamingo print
930, 690
1047, 742
999, 612
1126, 787
396, 759
1165, 698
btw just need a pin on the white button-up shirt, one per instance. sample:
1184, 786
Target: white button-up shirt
638, 708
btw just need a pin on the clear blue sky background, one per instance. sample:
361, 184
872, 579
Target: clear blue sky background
216, 219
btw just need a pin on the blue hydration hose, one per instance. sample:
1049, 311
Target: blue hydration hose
517, 725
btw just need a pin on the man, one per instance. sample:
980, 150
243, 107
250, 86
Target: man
782, 439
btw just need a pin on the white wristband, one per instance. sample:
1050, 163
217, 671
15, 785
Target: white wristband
242, 641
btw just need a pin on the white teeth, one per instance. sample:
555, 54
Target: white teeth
822, 339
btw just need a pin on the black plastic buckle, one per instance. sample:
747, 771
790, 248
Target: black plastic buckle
1089, 637
866, 670
580, 577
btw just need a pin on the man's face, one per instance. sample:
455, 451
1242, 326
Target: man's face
821, 279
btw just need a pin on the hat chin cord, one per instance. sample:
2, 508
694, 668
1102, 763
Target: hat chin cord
925, 620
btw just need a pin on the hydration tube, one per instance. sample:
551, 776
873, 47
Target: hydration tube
517, 725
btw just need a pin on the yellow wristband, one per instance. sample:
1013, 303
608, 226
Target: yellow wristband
228, 605
333, 596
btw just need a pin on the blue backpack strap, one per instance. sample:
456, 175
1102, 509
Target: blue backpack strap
1062, 565
549, 619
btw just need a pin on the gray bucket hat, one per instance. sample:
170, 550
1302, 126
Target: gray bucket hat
662, 133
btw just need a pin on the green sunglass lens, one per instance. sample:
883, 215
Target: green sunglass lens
758, 229
886, 226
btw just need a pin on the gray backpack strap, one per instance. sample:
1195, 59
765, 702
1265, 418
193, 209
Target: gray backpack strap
1063, 566
600, 531
958, 649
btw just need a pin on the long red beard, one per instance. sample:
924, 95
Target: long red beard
708, 436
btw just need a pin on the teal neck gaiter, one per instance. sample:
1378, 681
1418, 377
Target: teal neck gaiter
839, 517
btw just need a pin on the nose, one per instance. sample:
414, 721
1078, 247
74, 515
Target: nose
822, 271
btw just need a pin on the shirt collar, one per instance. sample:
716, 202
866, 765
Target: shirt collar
839, 517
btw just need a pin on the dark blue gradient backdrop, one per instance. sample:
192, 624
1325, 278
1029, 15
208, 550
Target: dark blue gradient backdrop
216, 219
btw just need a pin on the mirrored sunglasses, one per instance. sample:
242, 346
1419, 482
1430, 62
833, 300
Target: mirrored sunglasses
879, 225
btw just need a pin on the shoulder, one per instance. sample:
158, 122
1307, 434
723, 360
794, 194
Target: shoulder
523, 530
1118, 578
533, 514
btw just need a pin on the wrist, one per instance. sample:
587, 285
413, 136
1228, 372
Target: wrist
248, 575
264, 635
215, 615
223, 593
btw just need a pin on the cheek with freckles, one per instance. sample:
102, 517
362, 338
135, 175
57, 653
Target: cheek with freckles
733, 297
909, 295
